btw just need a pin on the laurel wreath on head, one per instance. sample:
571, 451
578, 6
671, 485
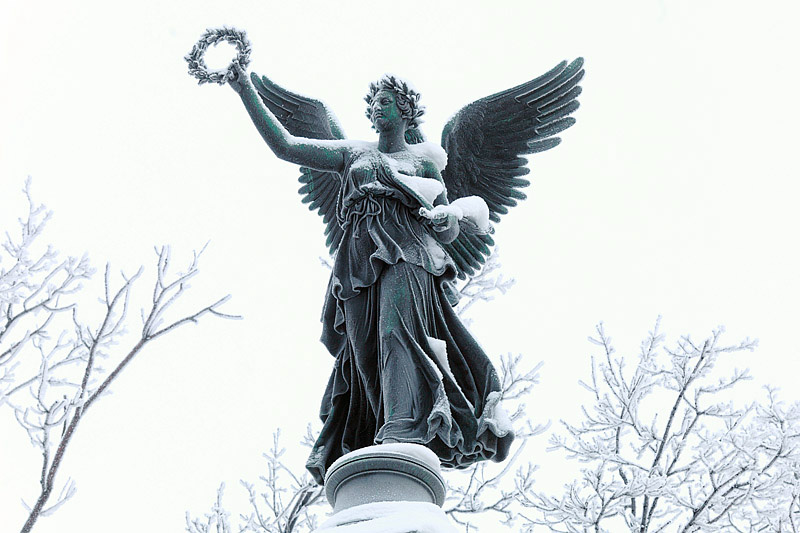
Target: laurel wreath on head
401, 88
211, 37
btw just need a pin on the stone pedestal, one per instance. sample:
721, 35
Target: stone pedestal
388, 488
385, 473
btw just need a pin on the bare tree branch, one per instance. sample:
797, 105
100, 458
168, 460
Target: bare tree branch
54, 356
707, 465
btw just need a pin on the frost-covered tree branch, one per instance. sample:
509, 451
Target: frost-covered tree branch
495, 489
52, 360
484, 488
483, 286
280, 502
35, 287
666, 451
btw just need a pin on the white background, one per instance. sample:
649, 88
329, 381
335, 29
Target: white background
675, 194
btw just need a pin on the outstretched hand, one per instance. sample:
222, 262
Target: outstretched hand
237, 77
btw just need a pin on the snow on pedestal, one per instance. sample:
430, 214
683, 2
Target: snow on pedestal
388, 488
389, 517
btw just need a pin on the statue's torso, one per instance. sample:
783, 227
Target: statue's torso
381, 220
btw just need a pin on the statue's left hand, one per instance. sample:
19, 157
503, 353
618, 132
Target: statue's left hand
443, 217
444, 222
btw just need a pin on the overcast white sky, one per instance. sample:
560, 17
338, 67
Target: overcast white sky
675, 194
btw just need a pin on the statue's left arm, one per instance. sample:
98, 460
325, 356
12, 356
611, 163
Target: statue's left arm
445, 223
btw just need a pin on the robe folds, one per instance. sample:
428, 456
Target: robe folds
405, 369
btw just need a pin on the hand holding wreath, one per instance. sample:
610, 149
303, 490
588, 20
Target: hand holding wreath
213, 36
236, 77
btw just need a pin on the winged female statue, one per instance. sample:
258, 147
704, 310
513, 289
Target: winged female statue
404, 218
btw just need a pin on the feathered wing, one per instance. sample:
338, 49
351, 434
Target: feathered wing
485, 142
306, 117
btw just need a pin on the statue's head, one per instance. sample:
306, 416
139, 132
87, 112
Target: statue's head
391, 102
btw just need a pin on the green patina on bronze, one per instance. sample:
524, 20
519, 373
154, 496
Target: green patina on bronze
405, 367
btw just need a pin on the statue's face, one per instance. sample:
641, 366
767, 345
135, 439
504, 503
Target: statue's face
385, 114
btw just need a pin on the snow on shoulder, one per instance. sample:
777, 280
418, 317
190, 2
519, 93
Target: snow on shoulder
432, 151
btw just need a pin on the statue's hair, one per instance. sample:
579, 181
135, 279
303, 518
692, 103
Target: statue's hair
406, 98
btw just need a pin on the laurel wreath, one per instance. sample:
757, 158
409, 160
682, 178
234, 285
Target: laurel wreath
401, 88
212, 37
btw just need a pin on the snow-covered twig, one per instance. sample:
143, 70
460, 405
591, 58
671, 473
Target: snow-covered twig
483, 286
51, 369
282, 501
665, 453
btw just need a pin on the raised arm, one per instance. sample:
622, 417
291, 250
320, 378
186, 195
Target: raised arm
326, 155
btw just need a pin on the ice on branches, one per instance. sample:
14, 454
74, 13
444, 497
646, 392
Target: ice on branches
54, 365
490, 488
483, 286
664, 452
281, 502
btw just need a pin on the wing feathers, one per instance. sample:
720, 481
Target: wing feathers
534, 147
555, 127
573, 69
560, 99
302, 116
321, 191
473, 253
514, 164
464, 268
560, 112
469, 252
485, 142
530, 85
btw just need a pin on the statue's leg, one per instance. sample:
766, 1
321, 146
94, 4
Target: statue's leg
351, 406
414, 400
361, 322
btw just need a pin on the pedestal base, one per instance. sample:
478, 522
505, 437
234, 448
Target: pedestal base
385, 473
388, 488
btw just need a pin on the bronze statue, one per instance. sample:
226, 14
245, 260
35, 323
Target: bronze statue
404, 219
